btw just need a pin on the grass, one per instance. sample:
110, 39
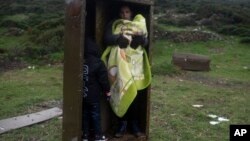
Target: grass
17, 17
174, 118
12, 42
21, 89
229, 59
2, 30
46, 131
8, 42
57, 57
25, 48
21, 92
224, 91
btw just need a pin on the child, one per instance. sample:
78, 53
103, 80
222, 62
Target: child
95, 79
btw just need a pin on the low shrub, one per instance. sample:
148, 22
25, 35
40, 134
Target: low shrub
51, 23
245, 40
56, 57
166, 21
234, 30
51, 39
12, 23
188, 21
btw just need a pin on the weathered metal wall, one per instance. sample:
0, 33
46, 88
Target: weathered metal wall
72, 80
73, 60
149, 49
106, 11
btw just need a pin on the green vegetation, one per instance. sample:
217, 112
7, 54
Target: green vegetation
47, 131
31, 90
174, 118
22, 89
223, 91
225, 55
223, 16
34, 28
165, 27
10, 42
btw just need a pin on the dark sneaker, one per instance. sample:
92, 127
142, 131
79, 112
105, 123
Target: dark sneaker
135, 129
100, 138
119, 134
139, 134
121, 130
85, 137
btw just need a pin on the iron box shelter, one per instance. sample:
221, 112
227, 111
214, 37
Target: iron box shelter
90, 17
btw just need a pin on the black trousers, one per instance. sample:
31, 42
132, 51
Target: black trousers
133, 110
91, 116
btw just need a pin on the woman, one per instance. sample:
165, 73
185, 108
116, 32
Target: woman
128, 67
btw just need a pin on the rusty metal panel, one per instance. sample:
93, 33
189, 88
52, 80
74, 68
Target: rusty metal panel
101, 17
73, 59
148, 90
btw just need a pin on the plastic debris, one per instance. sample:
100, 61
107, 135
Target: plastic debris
219, 119
212, 116
222, 119
31, 67
197, 106
214, 122
1, 128
245, 67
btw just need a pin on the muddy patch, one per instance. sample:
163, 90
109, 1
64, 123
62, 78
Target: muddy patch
11, 66
215, 82
44, 105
